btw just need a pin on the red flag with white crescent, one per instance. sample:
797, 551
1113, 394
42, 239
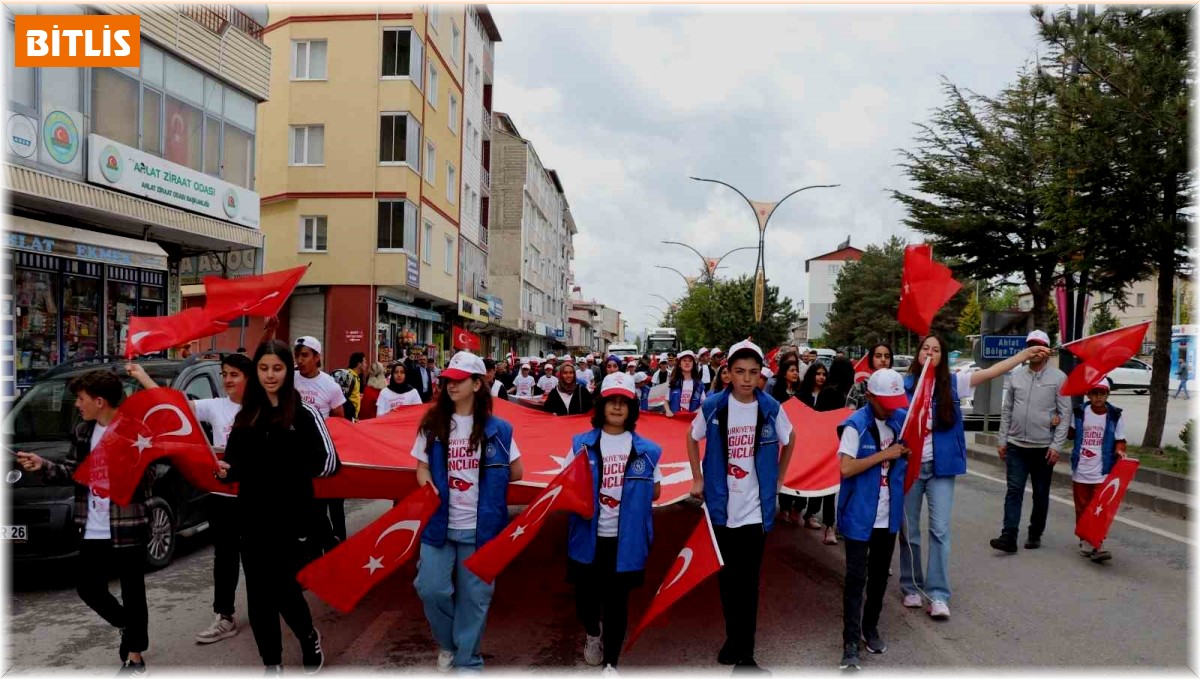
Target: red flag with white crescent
862, 369
1095, 521
698, 560
229, 298
148, 334
1100, 354
343, 577
464, 339
150, 424
916, 423
571, 491
772, 359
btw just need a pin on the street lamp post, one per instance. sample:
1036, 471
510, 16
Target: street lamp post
709, 264
669, 302
688, 280
763, 213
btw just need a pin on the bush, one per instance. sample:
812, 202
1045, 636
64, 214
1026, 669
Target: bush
1188, 434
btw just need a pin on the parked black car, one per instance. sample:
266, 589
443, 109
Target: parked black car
41, 421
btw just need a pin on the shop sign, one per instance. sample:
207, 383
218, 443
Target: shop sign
61, 140
354, 336
21, 132
128, 169
472, 309
414, 272
238, 263
85, 251
495, 307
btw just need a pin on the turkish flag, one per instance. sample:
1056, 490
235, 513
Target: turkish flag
264, 295
1095, 521
148, 334
916, 423
465, 340
344, 576
150, 424
925, 287
772, 357
862, 369
572, 490
1100, 354
698, 559
814, 469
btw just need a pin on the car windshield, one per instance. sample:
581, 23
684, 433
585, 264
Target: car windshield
658, 345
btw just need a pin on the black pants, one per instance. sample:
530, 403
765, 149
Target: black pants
826, 504
1021, 464
601, 593
98, 562
337, 519
867, 564
742, 549
271, 564
788, 502
223, 522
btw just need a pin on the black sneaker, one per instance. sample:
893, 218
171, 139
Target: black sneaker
132, 669
1005, 543
727, 656
310, 653
123, 651
874, 642
273, 671
1033, 543
849, 657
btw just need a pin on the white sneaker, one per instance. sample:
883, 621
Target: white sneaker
609, 671
939, 610
912, 600
445, 661
593, 651
1085, 549
222, 628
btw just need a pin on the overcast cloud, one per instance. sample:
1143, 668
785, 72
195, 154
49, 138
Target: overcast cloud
628, 102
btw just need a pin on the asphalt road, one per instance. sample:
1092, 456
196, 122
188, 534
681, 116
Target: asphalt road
1044, 608
1137, 409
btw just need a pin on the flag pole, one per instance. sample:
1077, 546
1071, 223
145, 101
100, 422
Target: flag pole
920, 381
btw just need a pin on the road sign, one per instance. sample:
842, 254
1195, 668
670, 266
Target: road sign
1000, 347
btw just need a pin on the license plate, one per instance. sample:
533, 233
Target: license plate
14, 533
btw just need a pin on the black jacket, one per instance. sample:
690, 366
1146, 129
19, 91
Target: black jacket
412, 375
828, 399
581, 402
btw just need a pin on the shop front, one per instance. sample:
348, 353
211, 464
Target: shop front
402, 326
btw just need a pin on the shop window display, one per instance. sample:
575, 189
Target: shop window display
37, 321
81, 317
122, 304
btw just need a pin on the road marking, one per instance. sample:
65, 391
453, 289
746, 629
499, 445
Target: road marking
1128, 522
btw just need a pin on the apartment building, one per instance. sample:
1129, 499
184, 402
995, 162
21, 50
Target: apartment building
822, 272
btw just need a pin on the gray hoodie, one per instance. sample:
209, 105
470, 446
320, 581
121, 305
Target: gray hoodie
1030, 400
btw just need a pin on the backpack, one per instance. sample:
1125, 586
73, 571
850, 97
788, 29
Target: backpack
345, 379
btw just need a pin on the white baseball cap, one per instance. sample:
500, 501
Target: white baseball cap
683, 354
550, 357
618, 384
568, 359
464, 365
310, 342
662, 357
744, 346
703, 350
717, 350
524, 366
887, 387
638, 378
766, 373
1038, 336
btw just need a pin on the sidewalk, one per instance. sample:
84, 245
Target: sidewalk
1151, 489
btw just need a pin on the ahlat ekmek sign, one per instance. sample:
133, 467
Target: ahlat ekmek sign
78, 40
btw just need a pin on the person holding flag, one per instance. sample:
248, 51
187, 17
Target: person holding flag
943, 457
607, 553
114, 536
277, 446
470, 456
1099, 435
880, 358
748, 440
871, 510
686, 388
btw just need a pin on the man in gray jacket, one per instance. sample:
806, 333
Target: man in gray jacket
1033, 429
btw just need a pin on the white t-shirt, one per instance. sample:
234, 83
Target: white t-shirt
98, 527
849, 446
463, 467
497, 387
566, 398
706, 375
524, 386
744, 507
321, 392
389, 400
1090, 468
547, 383
965, 390
615, 451
685, 395
220, 413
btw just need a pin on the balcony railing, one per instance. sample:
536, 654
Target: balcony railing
485, 178
487, 120
217, 18
483, 237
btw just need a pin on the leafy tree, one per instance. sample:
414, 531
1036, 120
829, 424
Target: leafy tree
1104, 321
1009, 299
972, 317
722, 314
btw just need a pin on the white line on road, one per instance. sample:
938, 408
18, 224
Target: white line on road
1127, 522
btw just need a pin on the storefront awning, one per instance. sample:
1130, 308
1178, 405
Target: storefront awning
402, 309
32, 235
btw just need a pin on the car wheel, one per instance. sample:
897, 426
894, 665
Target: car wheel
1141, 392
161, 545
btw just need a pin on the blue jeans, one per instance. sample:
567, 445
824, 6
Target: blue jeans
935, 581
456, 601
1022, 464
1182, 389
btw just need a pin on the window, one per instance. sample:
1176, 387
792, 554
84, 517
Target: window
430, 163
452, 118
431, 92
435, 14
449, 263
238, 156
152, 121
308, 59
427, 244
455, 41
306, 145
198, 388
397, 229
314, 232
212, 146
114, 106
1141, 299
402, 56
470, 69
833, 268
400, 140
20, 83
451, 183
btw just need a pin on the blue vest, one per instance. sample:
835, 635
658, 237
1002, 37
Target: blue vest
858, 499
1108, 451
716, 456
676, 394
949, 445
492, 513
635, 527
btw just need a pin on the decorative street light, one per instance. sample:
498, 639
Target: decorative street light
690, 281
709, 264
670, 304
763, 213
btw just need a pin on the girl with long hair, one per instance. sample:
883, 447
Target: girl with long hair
841, 378
787, 385
721, 379
470, 456
880, 359
606, 555
943, 458
686, 389
816, 393
278, 444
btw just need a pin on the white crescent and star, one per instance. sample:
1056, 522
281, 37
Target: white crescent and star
185, 426
139, 336
374, 563
411, 526
1115, 485
262, 301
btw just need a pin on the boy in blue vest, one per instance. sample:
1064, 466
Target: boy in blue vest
1099, 434
748, 441
870, 507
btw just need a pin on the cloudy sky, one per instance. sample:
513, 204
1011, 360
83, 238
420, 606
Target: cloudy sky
627, 102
